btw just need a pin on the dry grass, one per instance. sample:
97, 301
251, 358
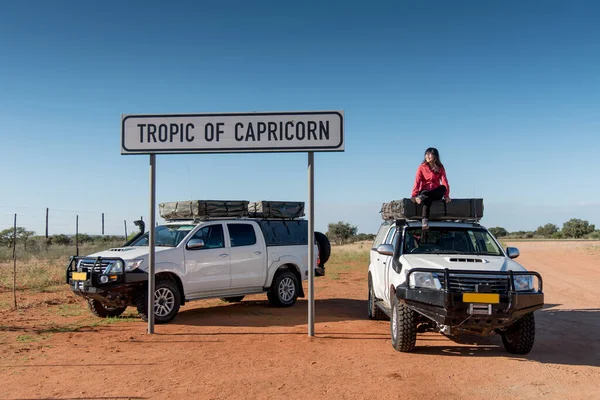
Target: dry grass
347, 257
41, 270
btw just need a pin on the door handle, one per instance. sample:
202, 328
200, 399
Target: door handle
258, 253
223, 255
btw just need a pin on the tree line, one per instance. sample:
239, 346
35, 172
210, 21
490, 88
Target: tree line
574, 228
29, 240
343, 233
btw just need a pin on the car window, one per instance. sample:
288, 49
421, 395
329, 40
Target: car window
450, 240
165, 235
391, 235
212, 236
241, 235
381, 234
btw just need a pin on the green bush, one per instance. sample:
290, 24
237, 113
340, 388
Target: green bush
594, 235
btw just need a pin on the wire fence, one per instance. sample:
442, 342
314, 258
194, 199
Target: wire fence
36, 244
48, 221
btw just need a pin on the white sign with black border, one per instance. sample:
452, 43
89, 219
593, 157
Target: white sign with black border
299, 131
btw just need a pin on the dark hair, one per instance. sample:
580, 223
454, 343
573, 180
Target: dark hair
436, 157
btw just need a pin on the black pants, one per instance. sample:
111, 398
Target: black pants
429, 196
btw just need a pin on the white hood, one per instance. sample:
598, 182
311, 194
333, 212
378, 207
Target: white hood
458, 261
128, 253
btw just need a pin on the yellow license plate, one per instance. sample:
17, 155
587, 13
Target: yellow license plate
488, 298
79, 276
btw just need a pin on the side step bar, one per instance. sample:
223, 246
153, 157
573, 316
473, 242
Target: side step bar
382, 307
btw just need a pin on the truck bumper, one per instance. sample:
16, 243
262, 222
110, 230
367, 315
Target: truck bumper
451, 309
112, 288
477, 310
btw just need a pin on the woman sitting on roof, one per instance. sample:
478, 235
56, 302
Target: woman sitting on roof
430, 183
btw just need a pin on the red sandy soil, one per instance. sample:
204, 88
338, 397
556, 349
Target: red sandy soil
252, 350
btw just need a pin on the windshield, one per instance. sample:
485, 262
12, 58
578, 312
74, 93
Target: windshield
166, 235
450, 240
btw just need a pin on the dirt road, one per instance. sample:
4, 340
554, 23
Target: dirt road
251, 350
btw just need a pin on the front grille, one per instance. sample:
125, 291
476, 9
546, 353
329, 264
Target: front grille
88, 265
468, 283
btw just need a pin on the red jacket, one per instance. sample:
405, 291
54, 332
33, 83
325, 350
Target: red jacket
426, 179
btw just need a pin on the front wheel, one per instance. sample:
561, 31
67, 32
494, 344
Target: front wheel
403, 326
102, 311
284, 289
519, 337
167, 300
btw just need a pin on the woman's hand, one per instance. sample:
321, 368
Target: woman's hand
448, 200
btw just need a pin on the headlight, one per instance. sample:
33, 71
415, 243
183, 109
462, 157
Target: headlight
133, 264
523, 283
424, 280
115, 267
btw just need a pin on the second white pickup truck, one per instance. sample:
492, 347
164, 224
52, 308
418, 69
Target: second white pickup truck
225, 258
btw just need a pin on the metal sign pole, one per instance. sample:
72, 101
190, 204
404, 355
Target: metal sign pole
151, 241
311, 237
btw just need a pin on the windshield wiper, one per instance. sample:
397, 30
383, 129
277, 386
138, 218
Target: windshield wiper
164, 245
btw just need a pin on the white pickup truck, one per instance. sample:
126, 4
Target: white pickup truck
225, 258
454, 278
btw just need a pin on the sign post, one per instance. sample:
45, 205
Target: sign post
311, 241
251, 132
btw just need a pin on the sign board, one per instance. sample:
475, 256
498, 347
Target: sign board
310, 131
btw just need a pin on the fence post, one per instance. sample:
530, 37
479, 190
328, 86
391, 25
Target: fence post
46, 223
77, 235
102, 224
15, 263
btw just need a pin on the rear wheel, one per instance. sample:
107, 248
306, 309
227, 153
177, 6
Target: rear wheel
374, 312
102, 311
520, 336
284, 289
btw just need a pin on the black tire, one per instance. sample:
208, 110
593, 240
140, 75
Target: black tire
324, 248
403, 327
167, 300
102, 311
284, 289
374, 312
235, 299
520, 336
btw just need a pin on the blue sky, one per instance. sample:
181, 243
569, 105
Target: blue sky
507, 91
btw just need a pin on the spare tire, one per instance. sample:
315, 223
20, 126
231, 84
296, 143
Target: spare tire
324, 248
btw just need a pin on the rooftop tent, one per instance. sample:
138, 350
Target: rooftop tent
457, 209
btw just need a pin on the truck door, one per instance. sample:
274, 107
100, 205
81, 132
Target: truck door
383, 264
388, 267
247, 254
208, 267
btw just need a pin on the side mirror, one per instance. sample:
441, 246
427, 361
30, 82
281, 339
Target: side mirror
386, 249
512, 252
195, 244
